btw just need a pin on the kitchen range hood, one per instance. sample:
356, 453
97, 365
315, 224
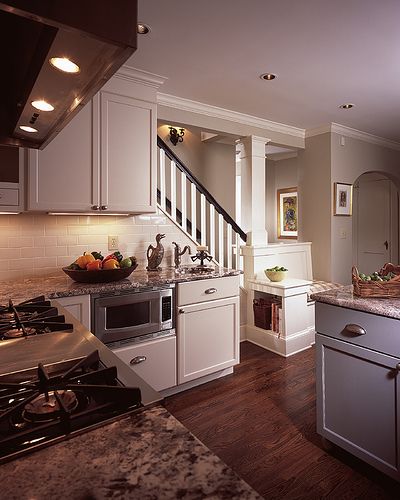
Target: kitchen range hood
57, 54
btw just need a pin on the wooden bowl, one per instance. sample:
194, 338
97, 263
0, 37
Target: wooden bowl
275, 276
101, 276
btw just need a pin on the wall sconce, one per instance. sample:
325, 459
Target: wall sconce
175, 136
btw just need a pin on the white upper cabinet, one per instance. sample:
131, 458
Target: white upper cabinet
128, 154
63, 177
11, 179
103, 161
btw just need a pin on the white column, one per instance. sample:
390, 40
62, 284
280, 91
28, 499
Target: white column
252, 158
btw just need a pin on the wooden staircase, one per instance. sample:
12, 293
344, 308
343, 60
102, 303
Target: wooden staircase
191, 207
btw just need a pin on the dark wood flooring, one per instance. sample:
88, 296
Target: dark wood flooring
261, 422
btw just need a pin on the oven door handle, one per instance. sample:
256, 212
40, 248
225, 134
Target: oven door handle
137, 359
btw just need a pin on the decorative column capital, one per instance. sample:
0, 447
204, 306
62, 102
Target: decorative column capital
253, 145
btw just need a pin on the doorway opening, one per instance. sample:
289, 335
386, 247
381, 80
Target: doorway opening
375, 222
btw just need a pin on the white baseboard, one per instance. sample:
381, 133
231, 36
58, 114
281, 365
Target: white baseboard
243, 335
194, 383
284, 346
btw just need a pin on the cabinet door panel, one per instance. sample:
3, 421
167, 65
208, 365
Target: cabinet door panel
357, 400
79, 307
128, 154
208, 338
64, 176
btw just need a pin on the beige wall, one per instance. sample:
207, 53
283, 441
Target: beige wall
348, 162
315, 202
280, 175
39, 245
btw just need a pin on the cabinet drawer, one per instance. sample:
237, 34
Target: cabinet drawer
381, 334
9, 197
154, 361
201, 291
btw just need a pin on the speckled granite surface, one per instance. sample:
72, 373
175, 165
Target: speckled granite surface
61, 285
344, 297
147, 456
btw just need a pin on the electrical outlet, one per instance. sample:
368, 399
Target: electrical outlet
113, 242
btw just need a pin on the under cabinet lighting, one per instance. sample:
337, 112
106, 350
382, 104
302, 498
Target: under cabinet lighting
64, 64
348, 105
42, 105
93, 214
143, 29
268, 76
10, 213
25, 128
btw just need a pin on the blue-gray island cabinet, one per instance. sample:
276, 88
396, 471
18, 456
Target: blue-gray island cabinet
358, 370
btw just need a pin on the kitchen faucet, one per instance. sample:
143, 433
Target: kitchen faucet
178, 253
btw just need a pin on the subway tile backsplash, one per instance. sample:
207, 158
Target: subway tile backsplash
39, 245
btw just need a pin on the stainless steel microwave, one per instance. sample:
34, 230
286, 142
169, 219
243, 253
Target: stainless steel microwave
131, 315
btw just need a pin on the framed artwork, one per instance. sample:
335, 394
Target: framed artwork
287, 213
343, 199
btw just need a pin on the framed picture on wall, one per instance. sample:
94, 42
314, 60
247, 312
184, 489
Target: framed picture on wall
343, 199
287, 213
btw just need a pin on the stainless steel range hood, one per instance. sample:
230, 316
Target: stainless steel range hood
97, 35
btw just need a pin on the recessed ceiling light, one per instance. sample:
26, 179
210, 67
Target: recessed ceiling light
64, 64
25, 128
348, 105
268, 76
143, 29
42, 105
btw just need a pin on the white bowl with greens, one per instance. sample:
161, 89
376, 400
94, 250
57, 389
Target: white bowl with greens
276, 273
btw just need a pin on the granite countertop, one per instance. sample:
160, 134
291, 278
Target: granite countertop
147, 455
60, 285
344, 297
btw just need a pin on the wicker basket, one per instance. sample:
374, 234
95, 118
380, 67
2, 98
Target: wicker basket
262, 313
375, 289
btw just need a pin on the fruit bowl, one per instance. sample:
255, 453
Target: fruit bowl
101, 276
275, 276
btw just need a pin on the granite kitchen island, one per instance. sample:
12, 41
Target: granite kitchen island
357, 375
148, 456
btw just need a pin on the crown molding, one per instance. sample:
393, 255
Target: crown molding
226, 114
336, 128
140, 76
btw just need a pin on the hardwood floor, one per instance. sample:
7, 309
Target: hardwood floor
261, 422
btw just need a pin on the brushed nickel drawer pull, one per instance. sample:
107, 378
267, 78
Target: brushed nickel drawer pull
354, 329
104, 207
95, 207
137, 360
211, 290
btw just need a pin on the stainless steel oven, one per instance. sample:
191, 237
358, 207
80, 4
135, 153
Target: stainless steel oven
133, 316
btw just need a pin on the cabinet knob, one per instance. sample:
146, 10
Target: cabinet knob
104, 207
137, 359
398, 367
353, 329
181, 311
95, 207
210, 290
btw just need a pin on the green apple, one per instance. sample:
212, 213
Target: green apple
126, 262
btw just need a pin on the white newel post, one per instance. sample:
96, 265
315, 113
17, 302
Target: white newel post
252, 158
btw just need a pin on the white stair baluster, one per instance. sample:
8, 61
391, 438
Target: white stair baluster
173, 190
193, 207
229, 246
212, 231
162, 179
183, 200
221, 240
237, 256
203, 221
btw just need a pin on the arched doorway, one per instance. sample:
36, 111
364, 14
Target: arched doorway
375, 222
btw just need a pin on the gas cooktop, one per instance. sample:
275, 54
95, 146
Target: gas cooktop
52, 402
32, 317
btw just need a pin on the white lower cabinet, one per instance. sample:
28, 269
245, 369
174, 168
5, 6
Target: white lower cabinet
154, 361
78, 306
208, 332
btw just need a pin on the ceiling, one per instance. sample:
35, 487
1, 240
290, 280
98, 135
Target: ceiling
324, 52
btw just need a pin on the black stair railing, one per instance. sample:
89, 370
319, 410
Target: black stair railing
203, 190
